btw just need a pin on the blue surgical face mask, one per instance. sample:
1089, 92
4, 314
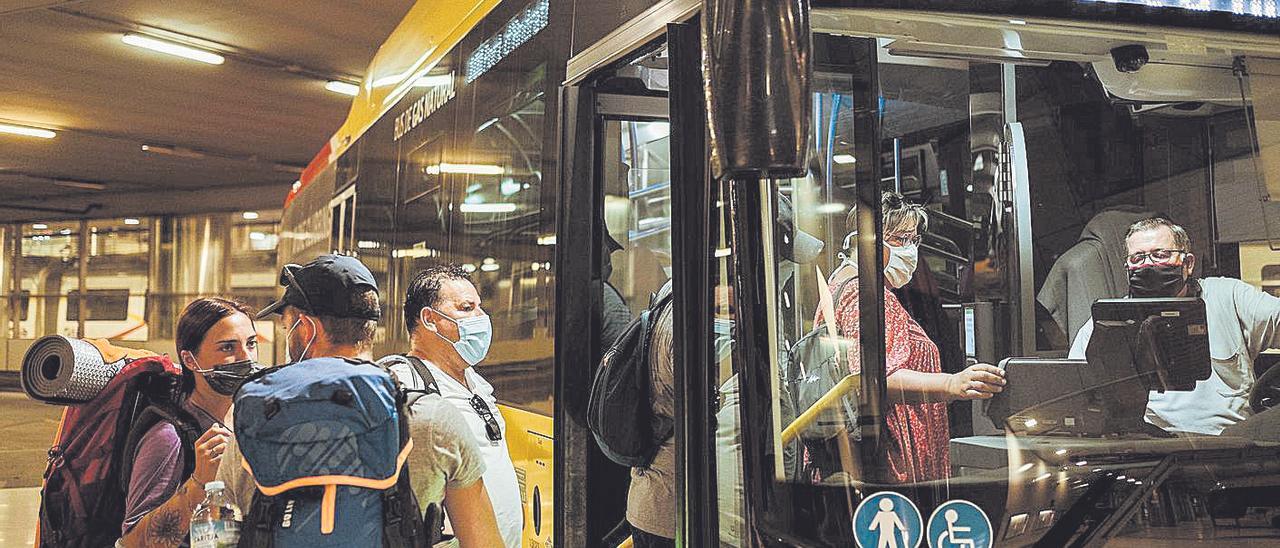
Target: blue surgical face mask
474, 335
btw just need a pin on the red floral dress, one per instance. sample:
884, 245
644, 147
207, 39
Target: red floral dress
921, 437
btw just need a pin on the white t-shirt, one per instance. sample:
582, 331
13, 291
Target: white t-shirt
500, 473
1242, 322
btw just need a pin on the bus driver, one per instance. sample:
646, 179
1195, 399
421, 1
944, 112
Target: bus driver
1242, 320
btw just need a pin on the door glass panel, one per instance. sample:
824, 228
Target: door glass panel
636, 163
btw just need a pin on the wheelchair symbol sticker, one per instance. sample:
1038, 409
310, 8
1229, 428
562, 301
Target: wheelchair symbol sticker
887, 520
959, 524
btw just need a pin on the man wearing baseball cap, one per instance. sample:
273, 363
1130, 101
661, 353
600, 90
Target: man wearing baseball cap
330, 309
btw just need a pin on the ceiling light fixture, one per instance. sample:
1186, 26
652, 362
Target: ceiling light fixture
173, 151
82, 185
344, 88
250, 215
40, 226
131, 221
465, 169
843, 159
172, 48
27, 131
487, 208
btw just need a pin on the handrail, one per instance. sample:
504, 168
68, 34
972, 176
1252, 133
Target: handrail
848, 384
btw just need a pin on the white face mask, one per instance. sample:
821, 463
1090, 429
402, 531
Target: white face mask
901, 265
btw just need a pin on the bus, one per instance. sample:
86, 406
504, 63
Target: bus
553, 147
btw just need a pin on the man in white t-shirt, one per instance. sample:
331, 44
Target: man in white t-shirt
1242, 322
450, 333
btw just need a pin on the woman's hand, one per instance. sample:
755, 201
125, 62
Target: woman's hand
209, 449
977, 382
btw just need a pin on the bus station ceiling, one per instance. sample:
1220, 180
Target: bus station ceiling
220, 137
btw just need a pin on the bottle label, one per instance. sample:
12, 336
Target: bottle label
215, 534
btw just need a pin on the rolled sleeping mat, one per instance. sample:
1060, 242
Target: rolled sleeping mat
63, 370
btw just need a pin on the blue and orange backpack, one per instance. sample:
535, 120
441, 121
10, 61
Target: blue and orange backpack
327, 441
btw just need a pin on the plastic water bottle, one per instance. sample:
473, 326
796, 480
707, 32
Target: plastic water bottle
216, 521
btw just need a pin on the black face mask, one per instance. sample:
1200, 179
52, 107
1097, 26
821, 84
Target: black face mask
1156, 281
225, 379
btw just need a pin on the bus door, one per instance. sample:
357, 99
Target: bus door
635, 220
617, 201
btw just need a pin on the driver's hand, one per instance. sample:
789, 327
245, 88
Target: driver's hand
977, 382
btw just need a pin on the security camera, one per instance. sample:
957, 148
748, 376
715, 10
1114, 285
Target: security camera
1130, 58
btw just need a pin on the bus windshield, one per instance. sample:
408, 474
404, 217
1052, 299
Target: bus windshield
1079, 264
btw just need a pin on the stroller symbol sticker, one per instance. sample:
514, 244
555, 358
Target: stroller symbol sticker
959, 524
887, 520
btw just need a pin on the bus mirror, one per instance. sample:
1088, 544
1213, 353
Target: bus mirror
757, 75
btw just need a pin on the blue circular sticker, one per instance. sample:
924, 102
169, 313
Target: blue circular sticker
887, 520
959, 524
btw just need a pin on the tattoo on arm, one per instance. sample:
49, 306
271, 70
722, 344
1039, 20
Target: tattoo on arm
165, 526
165, 529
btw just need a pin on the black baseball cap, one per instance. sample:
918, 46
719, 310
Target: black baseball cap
323, 287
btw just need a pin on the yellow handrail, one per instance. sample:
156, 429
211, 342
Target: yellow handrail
848, 384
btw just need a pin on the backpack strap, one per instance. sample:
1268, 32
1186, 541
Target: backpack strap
424, 373
263, 513
402, 525
186, 426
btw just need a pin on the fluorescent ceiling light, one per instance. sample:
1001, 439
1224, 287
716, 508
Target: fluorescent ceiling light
466, 169
171, 48
27, 131
82, 185
547, 239
40, 226
342, 87
132, 221
843, 159
249, 215
416, 252
486, 208
490, 267
173, 151
65, 231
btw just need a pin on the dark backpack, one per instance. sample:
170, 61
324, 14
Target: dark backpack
326, 441
815, 364
86, 480
619, 411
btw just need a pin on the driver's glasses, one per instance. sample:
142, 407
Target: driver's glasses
1155, 257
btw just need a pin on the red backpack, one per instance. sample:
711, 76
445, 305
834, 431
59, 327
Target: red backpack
86, 480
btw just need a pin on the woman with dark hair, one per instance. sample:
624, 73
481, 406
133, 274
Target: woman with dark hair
218, 348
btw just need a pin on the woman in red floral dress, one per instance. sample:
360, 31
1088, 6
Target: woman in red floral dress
918, 390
